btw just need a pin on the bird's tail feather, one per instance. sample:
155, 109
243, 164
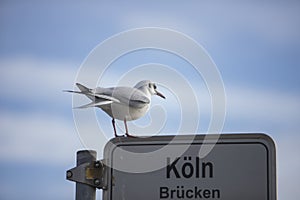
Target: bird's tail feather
82, 88
85, 106
77, 92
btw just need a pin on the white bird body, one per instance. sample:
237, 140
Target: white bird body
122, 103
131, 106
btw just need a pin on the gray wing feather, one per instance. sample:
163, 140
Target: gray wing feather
102, 96
130, 96
93, 104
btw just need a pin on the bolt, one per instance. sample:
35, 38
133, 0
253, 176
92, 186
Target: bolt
69, 174
97, 164
97, 181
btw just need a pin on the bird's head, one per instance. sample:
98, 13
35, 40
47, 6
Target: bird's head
149, 87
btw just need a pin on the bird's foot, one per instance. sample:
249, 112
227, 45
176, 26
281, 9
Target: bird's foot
131, 136
119, 136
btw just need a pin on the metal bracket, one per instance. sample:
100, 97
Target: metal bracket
90, 173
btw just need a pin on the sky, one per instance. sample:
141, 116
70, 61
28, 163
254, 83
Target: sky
255, 46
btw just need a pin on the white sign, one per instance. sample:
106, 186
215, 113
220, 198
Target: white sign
239, 167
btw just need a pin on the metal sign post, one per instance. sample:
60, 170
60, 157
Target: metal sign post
88, 175
239, 166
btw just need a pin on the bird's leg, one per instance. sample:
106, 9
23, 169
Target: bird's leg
126, 129
114, 125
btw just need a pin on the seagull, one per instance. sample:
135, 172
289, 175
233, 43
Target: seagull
122, 103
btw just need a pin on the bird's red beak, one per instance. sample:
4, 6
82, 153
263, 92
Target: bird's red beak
160, 94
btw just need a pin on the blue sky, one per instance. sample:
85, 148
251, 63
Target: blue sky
254, 44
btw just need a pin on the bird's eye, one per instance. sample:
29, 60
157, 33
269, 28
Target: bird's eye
154, 86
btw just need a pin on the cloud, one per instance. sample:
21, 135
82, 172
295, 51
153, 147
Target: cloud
255, 104
35, 79
30, 82
272, 22
33, 127
37, 137
213, 21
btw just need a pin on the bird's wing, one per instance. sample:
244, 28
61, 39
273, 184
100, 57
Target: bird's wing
94, 104
123, 95
98, 99
128, 96
106, 97
94, 94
